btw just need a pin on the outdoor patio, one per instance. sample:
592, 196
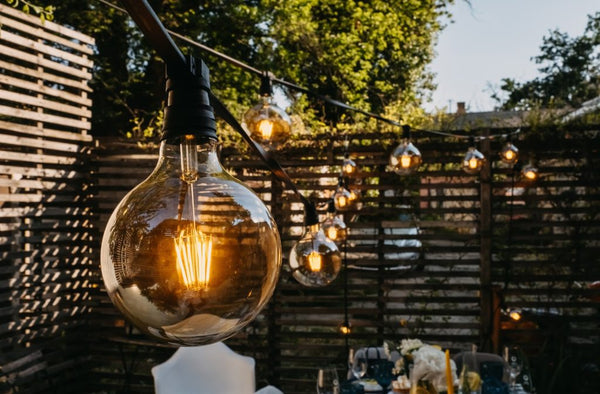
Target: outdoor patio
438, 255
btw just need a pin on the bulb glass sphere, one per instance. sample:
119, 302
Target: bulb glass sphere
315, 260
334, 228
348, 167
509, 154
343, 199
191, 255
267, 123
405, 159
530, 172
473, 161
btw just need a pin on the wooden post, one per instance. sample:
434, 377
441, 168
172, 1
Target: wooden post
485, 232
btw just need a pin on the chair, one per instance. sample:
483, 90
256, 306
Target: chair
209, 369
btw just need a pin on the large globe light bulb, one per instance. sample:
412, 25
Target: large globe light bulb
315, 260
191, 255
473, 159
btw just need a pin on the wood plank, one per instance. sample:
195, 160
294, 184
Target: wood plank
72, 86
48, 25
46, 118
79, 99
73, 73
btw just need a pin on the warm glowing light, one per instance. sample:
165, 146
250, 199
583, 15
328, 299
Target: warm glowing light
345, 329
348, 168
473, 163
342, 201
515, 315
530, 172
194, 253
265, 128
332, 233
405, 161
315, 261
509, 155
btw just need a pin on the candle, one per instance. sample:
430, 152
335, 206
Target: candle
449, 380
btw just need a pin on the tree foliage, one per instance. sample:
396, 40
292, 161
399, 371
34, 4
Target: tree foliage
369, 54
569, 68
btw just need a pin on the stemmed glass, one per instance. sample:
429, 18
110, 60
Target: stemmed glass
327, 381
357, 364
514, 363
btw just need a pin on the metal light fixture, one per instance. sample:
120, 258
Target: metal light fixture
473, 159
267, 123
315, 260
406, 158
509, 153
333, 226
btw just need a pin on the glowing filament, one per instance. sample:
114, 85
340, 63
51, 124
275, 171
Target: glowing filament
530, 174
194, 252
265, 127
345, 329
405, 161
515, 315
332, 233
342, 201
509, 155
473, 163
315, 262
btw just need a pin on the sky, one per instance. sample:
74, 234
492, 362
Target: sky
495, 39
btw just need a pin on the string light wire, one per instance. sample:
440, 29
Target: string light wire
306, 91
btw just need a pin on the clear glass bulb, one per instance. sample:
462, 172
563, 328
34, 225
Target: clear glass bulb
530, 172
267, 123
315, 260
348, 166
343, 199
191, 255
405, 159
334, 228
509, 154
473, 161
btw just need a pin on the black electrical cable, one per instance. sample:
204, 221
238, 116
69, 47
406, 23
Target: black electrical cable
301, 89
141, 12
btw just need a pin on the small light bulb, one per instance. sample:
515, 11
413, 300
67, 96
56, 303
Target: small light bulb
268, 123
473, 161
530, 172
345, 328
335, 228
405, 159
509, 154
342, 199
349, 166
515, 314
315, 259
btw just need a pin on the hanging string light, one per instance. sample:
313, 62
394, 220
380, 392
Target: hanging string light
315, 260
473, 160
509, 153
267, 123
530, 172
406, 158
343, 200
333, 226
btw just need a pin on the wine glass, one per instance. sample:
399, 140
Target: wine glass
357, 363
514, 363
327, 381
470, 379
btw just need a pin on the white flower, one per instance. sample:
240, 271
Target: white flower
430, 364
408, 345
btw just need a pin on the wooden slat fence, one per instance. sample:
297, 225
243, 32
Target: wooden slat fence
537, 249
46, 236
